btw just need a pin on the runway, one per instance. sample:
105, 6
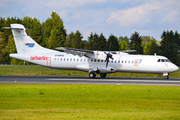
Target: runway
87, 80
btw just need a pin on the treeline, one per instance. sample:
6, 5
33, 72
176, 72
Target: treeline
52, 34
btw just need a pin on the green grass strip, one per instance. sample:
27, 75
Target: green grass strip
43, 71
89, 102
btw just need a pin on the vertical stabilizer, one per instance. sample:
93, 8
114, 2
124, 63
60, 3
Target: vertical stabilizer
24, 43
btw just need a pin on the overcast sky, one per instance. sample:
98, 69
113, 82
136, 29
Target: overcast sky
117, 17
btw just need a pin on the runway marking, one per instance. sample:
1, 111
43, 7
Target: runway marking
96, 80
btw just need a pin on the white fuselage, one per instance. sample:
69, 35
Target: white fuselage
121, 62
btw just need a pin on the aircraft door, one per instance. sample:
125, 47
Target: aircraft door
48, 61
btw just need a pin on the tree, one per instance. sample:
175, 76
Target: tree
147, 48
146, 39
154, 48
89, 45
102, 43
114, 43
123, 43
120, 38
126, 39
135, 43
69, 40
170, 45
46, 31
57, 32
96, 42
123, 46
3, 53
78, 40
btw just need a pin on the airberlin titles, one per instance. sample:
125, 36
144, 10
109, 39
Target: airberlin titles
38, 58
43, 57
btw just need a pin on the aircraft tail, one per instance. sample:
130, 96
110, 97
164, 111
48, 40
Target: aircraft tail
24, 43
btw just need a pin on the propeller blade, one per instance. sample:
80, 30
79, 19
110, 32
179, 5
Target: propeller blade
107, 63
109, 55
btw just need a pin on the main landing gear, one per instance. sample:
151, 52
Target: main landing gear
92, 74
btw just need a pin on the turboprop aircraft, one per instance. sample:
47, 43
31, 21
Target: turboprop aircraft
94, 62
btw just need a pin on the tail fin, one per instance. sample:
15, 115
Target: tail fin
24, 43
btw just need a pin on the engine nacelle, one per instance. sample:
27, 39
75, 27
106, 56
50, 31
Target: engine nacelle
107, 70
99, 55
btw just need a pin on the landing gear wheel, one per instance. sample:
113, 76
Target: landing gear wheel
92, 75
103, 75
166, 77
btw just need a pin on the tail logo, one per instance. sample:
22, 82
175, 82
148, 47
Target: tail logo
30, 44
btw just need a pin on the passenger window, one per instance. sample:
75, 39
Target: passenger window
74, 59
118, 61
95, 60
129, 61
64, 59
84, 60
132, 62
67, 59
122, 61
81, 60
61, 59
98, 60
57, 59
77, 59
71, 59
54, 59
101, 60
126, 61
140, 61
115, 61
112, 61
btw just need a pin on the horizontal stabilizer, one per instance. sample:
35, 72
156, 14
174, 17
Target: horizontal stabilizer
13, 28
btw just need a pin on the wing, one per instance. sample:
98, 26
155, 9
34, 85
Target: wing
79, 52
101, 55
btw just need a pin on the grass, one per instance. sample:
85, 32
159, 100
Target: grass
58, 101
61, 101
43, 71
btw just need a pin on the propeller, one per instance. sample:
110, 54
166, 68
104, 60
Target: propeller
108, 56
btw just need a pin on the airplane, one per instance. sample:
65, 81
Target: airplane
94, 62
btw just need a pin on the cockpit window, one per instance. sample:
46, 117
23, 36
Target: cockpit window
167, 60
163, 60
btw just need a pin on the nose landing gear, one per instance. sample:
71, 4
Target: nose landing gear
166, 75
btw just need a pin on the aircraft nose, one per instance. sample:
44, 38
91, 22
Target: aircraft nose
175, 68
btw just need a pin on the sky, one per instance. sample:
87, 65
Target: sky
116, 17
